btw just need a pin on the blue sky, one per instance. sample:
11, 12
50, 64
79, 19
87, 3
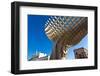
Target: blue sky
38, 41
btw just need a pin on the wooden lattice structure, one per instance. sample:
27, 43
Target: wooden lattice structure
65, 31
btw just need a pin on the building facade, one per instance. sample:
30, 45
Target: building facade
81, 53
